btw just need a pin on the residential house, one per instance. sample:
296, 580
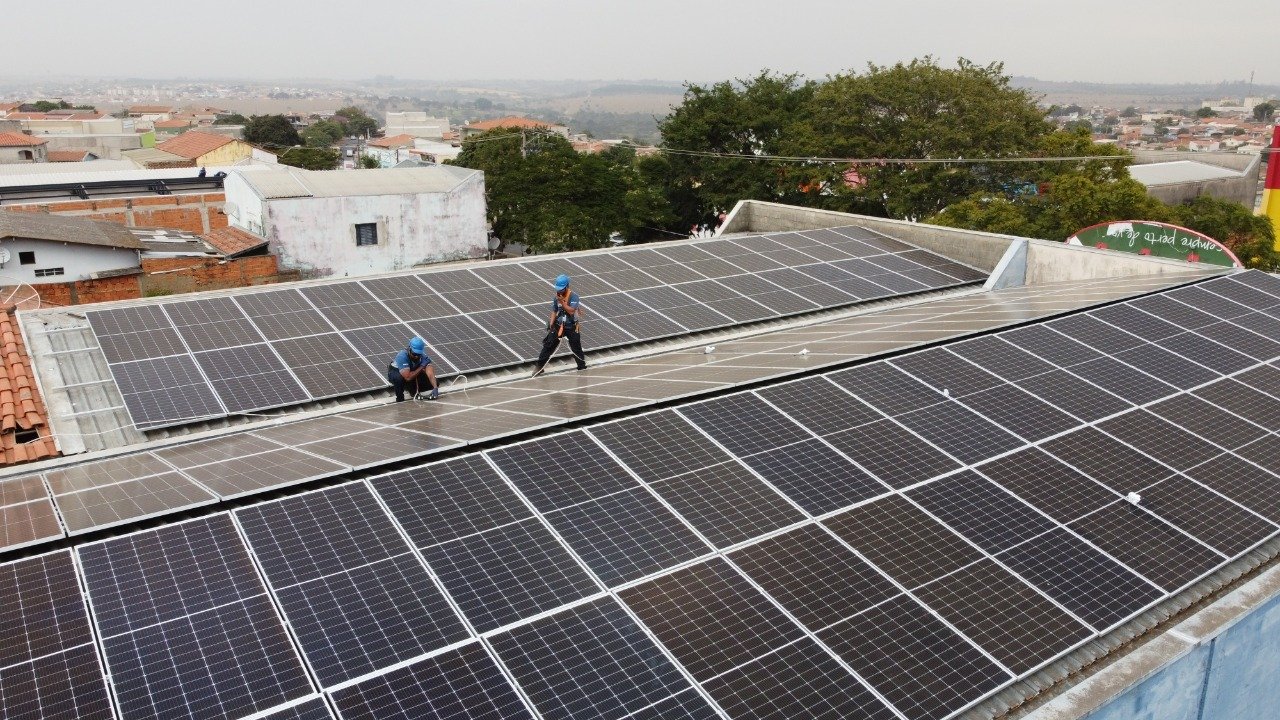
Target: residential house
390, 151
43, 248
417, 124
73, 155
517, 123
333, 223
195, 148
20, 148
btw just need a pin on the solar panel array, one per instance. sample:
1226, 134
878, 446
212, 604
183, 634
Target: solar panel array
102, 493
921, 534
191, 360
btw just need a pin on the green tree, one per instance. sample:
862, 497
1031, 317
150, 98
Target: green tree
232, 119
273, 131
1251, 237
542, 192
47, 105
1205, 112
310, 158
1130, 112
1264, 112
756, 116
996, 214
369, 162
322, 133
921, 110
483, 104
355, 121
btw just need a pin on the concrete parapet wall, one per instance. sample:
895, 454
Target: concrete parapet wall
1242, 190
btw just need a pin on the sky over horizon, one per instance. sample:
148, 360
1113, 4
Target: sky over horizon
1087, 40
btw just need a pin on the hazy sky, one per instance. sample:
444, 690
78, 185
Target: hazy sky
1092, 40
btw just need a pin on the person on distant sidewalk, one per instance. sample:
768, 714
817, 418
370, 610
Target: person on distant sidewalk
411, 371
565, 322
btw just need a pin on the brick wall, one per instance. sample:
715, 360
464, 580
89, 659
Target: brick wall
193, 213
168, 276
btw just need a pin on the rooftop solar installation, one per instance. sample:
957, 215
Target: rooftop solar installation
668, 564
192, 360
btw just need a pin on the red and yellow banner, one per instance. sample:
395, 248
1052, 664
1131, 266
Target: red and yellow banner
1271, 190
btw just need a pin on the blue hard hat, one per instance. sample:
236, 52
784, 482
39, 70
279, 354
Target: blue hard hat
562, 282
417, 346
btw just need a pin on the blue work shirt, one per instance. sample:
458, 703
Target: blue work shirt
558, 308
402, 361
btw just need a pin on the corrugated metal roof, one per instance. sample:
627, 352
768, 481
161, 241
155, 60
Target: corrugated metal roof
41, 226
20, 175
152, 155
295, 182
1179, 171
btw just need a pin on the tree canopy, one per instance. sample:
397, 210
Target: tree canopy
322, 133
355, 121
273, 131
232, 119
542, 192
310, 158
1264, 111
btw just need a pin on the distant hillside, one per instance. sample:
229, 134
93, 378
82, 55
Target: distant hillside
1142, 94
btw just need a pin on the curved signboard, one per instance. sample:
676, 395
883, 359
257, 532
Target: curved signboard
1157, 239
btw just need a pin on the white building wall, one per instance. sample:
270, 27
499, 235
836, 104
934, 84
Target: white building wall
78, 262
244, 207
318, 235
417, 124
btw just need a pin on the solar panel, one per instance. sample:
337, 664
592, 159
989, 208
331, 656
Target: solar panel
377, 447
725, 301
461, 683
26, 513
463, 343
508, 573
351, 588
515, 282
250, 378
819, 405
1074, 395
666, 270
67, 684
133, 319
903, 541
1150, 546
583, 282
1163, 441
885, 387
1091, 585
688, 705
281, 314
1180, 314
105, 472
626, 536
1006, 617
680, 308
1214, 520
959, 432
379, 345
1055, 489
562, 470
892, 453
100, 507
659, 445
808, 287
1020, 412
633, 316
221, 449
165, 391
327, 365
264, 471
997, 356
195, 635
1245, 401
722, 420
777, 300
710, 617
590, 661
815, 577
408, 297
444, 501
979, 510
517, 328
313, 709
701, 262
815, 476
1173, 369
212, 324
125, 347
1208, 353
727, 503
917, 663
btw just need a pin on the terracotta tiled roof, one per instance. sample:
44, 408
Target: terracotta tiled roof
175, 123
9, 107
150, 109
13, 139
232, 241
67, 155
394, 141
192, 145
21, 409
508, 122
86, 116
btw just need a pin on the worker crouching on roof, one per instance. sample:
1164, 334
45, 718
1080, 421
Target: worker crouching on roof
566, 316
411, 371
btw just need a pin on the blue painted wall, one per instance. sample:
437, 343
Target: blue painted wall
1234, 677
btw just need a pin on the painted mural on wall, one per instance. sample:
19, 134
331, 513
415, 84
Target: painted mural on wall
1157, 239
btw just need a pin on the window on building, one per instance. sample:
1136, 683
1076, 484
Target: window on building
27, 257
26, 155
49, 272
366, 234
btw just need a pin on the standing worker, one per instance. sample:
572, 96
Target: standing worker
411, 370
566, 314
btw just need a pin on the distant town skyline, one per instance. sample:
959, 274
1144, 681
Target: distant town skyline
1088, 41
